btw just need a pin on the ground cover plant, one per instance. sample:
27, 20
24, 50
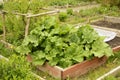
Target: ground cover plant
53, 43
7, 52
17, 68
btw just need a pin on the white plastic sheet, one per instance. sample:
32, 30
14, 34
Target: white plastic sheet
108, 34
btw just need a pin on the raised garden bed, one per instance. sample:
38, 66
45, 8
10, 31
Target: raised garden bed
72, 71
103, 23
112, 19
75, 70
109, 22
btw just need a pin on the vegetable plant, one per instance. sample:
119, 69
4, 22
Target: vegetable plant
62, 45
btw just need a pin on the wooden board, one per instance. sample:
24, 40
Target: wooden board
112, 19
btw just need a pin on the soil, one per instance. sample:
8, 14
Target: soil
103, 23
115, 42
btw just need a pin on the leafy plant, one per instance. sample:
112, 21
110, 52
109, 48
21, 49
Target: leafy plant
70, 11
62, 16
62, 45
17, 68
15, 28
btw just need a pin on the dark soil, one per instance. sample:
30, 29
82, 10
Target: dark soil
115, 42
103, 23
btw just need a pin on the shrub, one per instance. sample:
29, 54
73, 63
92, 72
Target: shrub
70, 11
17, 68
62, 16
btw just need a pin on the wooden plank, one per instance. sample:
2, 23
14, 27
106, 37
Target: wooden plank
2, 57
72, 71
116, 49
52, 70
15, 13
45, 13
8, 45
113, 71
40, 78
112, 19
82, 68
55, 71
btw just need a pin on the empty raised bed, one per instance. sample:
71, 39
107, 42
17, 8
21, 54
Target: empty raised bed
109, 22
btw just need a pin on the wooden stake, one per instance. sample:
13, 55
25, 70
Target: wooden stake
109, 73
15, 13
40, 14
40, 78
2, 57
19, 14
4, 29
27, 26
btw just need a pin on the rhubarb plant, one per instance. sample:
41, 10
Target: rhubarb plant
62, 45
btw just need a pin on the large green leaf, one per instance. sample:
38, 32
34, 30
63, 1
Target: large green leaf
31, 39
39, 61
78, 58
23, 50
